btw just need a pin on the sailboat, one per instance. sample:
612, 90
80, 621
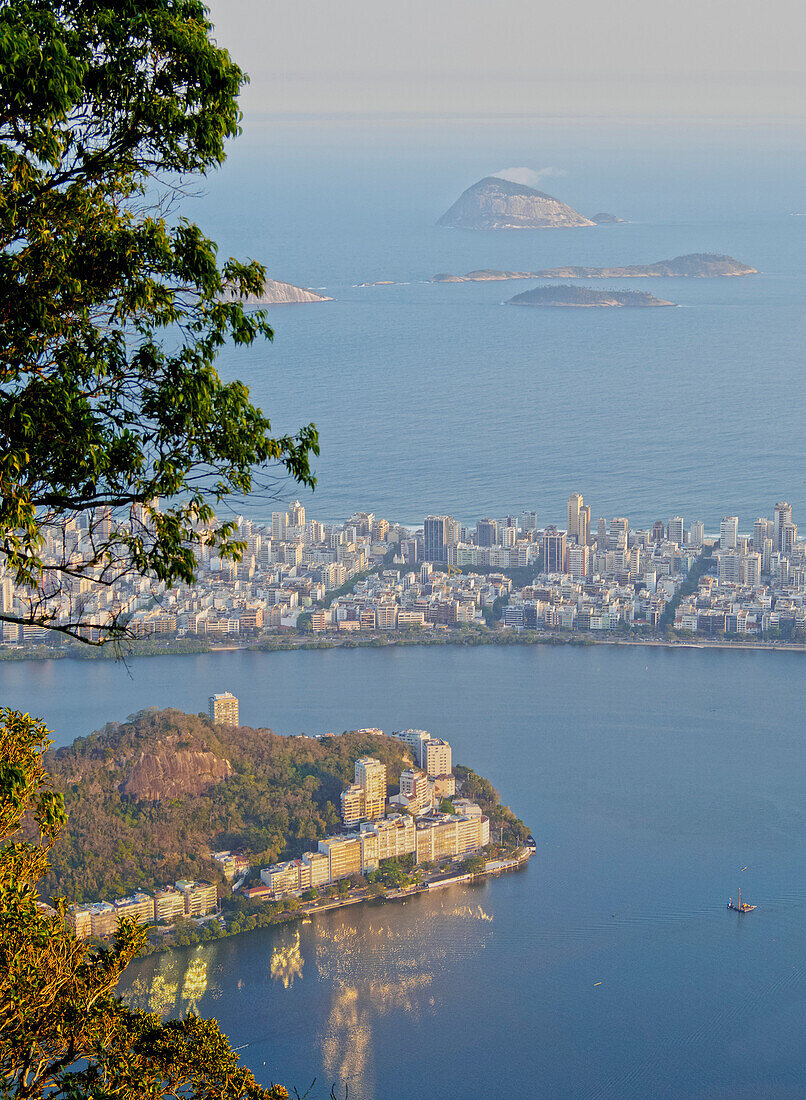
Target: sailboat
740, 906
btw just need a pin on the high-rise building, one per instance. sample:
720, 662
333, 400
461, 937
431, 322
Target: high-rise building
583, 533
577, 559
223, 709
697, 537
486, 532
619, 527
528, 521
439, 532
658, 530
554, 542
676, 530
789, 536
279, 525
783, 515
436, 758
728, 532
296, 514
601, 534
575, 503
370, 775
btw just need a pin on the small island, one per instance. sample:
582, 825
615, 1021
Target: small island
276, 293
202, 829
694, 265
496, 203
579, 297
606, 219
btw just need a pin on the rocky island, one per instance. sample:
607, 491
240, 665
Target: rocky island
582, 297
276, 293
695, 265
495, 203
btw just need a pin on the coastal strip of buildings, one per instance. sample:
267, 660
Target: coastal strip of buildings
583, 576
169, 903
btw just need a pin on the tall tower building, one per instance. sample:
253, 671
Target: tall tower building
370, 776
575, 504
601, 534
697, 533
554, 550
619, 526
439, 532
296, 514
279, 525
583, 533
728, 532
759, 533
789, 536
528, 521
223, 709
676, 530
783, 515
486, 532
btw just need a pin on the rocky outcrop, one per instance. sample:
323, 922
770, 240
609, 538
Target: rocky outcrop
607, 219
695, 265
169, 773
581, 297
495, 203
280, 294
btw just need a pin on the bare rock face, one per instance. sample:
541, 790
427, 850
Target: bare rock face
173, 773
495, 203
276, 293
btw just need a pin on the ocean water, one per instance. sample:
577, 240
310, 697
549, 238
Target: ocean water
433, 398
610, 967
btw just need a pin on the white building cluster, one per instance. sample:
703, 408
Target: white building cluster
184, 899
407, 824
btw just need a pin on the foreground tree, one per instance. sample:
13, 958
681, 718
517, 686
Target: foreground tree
63, 1032
117, 436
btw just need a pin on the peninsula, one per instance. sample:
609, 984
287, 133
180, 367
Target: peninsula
695, 265
578, 297
495, 203
276, 293
206, 805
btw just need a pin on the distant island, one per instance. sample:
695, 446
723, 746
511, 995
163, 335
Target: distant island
694, 265
607, 219
276, 293
495, 203
582, 297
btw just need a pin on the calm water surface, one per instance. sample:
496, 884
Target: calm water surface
650, 778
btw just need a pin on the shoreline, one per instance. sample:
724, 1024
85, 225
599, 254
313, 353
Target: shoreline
306, 642
493, 869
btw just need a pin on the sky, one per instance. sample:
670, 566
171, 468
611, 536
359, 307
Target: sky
620, 59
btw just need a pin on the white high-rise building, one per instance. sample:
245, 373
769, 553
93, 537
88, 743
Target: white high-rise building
223, 709
728, 532
697, 536
783, 515
575, 504
676, 530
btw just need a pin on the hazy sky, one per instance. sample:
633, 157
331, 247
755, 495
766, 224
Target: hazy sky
612, 58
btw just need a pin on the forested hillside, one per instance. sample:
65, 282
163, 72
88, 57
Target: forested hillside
150, 798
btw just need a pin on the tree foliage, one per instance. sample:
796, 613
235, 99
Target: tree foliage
63, 1032
282, 797
112, 311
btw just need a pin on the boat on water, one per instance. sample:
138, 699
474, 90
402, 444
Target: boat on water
740, 906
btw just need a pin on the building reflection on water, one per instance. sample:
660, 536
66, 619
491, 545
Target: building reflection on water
367, 963
286, 960
381, 965
175, 985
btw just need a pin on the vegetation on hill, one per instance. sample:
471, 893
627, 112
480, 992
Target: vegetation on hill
282, 797
583, 296
63, 1031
